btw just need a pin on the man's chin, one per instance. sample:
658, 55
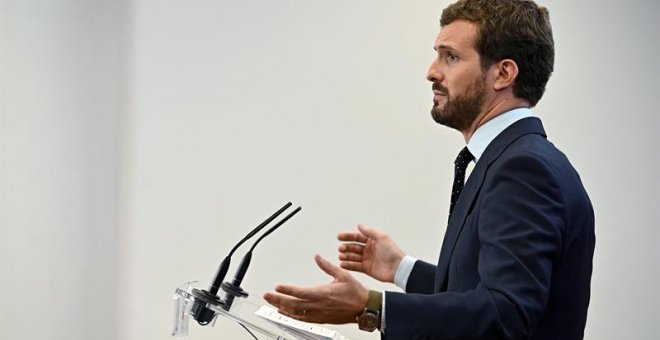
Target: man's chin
446, 119
438, 116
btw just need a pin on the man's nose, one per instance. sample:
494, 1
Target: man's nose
434, 73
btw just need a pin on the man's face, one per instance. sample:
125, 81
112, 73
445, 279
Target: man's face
459, 82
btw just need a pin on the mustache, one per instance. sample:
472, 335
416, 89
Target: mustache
439, 87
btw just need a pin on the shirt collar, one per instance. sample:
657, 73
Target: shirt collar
487, 132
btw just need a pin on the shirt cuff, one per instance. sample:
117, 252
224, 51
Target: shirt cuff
382, 315
403, 271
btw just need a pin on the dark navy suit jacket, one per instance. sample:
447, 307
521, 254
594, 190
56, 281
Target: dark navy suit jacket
516, 259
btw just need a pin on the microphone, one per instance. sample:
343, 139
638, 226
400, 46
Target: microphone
224, 266
234, 289
199, 310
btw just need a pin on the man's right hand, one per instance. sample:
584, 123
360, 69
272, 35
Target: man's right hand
369, 251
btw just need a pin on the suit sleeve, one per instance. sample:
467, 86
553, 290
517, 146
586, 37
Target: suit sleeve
520, 223
422, 278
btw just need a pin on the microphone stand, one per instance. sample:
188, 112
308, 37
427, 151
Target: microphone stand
234, 289
204, 298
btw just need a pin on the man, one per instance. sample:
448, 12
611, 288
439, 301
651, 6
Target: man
516, 259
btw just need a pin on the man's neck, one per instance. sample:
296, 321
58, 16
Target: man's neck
493, 111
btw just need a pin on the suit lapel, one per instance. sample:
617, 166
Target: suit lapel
472, 187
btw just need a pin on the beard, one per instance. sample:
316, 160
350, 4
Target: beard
460, 111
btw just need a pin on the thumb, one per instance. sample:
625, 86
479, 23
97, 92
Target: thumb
328, 267
369, 231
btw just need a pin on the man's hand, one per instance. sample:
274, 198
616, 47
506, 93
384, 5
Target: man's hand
370, 251
337, 302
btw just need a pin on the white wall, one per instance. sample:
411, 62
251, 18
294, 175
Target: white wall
601, 108
60, 104
234, 107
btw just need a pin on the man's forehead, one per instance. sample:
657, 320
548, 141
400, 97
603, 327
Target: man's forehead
459, 34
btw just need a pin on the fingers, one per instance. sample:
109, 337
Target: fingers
303, 293
351, 248
363, 234
351, 252
301, 303
352, 266
351, 257
370, 232
327, 267
292, 298
351, 236
301, 314
289, 306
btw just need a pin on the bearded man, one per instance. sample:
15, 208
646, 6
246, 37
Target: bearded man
516, 259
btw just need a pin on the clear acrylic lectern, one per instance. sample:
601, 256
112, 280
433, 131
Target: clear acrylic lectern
260, 321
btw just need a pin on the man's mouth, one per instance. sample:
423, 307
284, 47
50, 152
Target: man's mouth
438, 95
439, 91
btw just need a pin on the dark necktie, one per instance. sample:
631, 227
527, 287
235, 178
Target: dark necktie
462, 160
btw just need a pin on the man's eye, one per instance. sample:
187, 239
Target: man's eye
451, 58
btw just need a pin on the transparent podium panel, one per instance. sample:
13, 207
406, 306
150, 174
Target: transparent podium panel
258, 319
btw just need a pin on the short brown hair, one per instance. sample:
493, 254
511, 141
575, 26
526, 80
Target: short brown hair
511, 29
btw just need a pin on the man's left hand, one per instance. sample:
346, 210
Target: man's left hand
338, 302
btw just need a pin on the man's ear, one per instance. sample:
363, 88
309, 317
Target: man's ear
506, 74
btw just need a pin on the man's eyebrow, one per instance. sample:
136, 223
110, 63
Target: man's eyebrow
444, 47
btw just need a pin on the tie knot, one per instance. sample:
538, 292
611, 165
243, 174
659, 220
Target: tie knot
464, 157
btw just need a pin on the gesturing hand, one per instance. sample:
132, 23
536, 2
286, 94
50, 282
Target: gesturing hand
337, 302
370, 251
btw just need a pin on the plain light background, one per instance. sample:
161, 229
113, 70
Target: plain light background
141, 139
